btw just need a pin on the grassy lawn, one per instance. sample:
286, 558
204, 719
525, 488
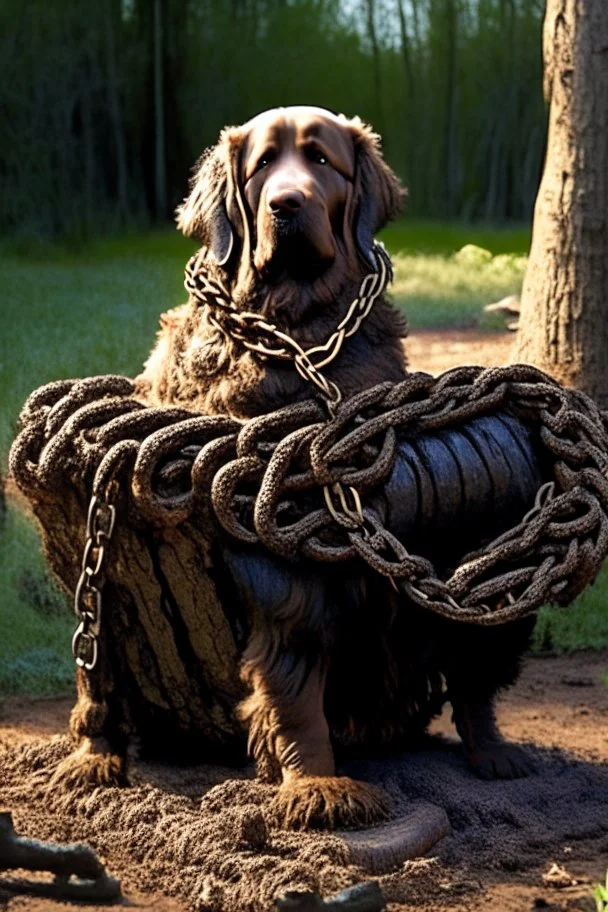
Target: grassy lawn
91, 310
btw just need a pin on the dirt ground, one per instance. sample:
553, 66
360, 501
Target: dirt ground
505, 836
437, 351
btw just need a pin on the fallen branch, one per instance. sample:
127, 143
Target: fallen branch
365, 897
90, 881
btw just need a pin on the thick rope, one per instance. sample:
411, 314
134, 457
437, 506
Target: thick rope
264, 479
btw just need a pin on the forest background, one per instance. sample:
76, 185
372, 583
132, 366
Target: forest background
107, 105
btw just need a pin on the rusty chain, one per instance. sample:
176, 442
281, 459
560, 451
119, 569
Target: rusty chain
314, 478
265, 339
264, 479
101, 519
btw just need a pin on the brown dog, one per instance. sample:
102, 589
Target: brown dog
287, 206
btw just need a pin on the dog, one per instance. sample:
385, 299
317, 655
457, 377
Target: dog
335, 662
286, 207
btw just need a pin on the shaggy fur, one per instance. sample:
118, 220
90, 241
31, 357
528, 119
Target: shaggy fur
192, 364
287, 206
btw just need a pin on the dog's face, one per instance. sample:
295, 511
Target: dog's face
292, 199
296, 168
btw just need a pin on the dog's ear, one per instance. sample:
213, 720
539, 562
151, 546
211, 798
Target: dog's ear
204, 214
379, 196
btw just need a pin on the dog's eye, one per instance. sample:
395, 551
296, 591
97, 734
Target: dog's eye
317, 157
266, 159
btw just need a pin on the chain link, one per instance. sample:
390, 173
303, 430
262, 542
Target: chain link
265, 339
308, 362
525, 567
261, 480
260, 336
101, 519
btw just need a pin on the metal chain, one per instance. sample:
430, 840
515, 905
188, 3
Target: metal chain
213, 293
101, 519
265, 339
261, 480
308, 362
571, 425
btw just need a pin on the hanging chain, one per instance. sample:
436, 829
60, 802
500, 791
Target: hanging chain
87, 598
268, 341
265, 339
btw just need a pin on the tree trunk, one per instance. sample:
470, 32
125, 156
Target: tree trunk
159, 115
564, 320
370, 10
114, 104
410, 91
451, 164
405, 49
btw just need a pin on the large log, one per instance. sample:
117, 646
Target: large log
174, 621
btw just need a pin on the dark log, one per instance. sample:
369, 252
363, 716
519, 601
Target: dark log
91, 884
175, 622
365, 897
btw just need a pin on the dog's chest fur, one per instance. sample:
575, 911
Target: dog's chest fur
195, 366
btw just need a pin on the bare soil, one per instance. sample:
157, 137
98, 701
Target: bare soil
439, 350
196, 839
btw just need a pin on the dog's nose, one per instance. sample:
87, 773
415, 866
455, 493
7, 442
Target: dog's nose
285, 203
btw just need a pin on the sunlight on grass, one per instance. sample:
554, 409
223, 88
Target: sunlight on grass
75, 317
35, 620
425, 236
448, 292
76, 312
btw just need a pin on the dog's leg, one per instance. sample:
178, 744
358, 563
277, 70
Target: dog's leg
488, 754
100, 754
287, 724
284, 667
489, 662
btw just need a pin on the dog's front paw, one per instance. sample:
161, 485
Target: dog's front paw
328, 802
91, 764
501, 760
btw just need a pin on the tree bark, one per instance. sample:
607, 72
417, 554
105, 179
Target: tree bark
564, 318
114, 104
410, 91
168, 661
370, 11
159, 115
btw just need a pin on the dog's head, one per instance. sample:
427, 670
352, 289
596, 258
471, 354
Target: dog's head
292, 199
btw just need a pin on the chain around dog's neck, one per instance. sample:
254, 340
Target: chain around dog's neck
268, 341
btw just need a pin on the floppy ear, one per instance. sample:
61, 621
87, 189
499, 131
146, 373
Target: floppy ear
204, 212
379, 196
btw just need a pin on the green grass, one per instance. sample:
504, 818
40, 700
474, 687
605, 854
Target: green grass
429, 237
600, 895
436, 290
75, 314
583, 625
81, 310
35, 621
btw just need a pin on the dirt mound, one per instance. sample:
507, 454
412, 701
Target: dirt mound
201, 834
